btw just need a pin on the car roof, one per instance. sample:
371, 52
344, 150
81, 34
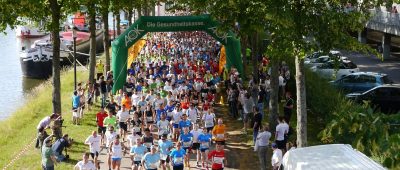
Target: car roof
383, 86
369, 73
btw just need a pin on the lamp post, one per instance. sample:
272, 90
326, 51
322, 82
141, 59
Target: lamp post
74, 37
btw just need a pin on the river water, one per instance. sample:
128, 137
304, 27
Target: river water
14, 87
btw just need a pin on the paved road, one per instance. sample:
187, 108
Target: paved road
390, 66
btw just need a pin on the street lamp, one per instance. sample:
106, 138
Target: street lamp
74, 37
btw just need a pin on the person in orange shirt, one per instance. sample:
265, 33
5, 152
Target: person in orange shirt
218, 132
126, 101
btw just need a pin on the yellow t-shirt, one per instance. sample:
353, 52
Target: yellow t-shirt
219, 132
100, 67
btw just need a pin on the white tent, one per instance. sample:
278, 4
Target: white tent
328, 157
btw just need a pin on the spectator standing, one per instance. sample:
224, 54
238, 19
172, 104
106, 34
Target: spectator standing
288, 108
262, 143
48, 157
248, 105
256, 123
276, 159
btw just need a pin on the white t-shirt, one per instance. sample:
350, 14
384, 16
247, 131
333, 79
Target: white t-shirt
196, 134
110, 137
135, 99
82, 166
157, 103
94, 143
122, 116
281, 81
167, 88
162, 127
209, 119
276, 157
263, 138
281, 130
176, 116
132, 139
192, 114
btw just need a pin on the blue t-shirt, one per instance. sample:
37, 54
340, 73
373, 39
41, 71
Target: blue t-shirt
164, 146
183, 124
204, 140
138, 88
186, 140
151, 160
169, 108
75, 101
159, 112
139, 151
177, 156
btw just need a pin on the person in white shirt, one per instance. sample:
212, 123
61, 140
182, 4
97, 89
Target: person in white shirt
85, 164
135, 99
94, 145
163, 126
123, 116
262, 146
276, 159
209, 119
192, 113
281, 130
110, 136
132, 137
196, 145
167, 86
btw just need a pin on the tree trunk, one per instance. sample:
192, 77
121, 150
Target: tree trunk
118, 23
301, 102
243, 43
106, 36
55, 33
92, 30
139, 11
130, 15
55, 11
254, 55
274, 103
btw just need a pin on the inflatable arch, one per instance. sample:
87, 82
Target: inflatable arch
146, 24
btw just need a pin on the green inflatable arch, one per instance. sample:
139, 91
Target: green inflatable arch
170, 24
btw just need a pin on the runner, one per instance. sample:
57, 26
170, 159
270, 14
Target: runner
184, 123
110, 136
149, 116
217, 158
116, 148
219, 132
148, 139
100, 116
204, 139
110, 121
123, 116
164, 146
192, 113
85, 164
133, 137
186, 139
176, 118
94, 145
209, 119
163, 126
178, 155
137, 152
137, 124
196, 145
151, 160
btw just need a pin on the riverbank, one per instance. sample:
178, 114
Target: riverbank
19, 130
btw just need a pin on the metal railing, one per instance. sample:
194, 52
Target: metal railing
384, 17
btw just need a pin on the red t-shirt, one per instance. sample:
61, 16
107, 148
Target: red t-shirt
185, 105
217, 158
100, 118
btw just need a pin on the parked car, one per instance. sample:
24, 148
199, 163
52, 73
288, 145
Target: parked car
323, 59
361, 81
314, 56
386, 97
330, 70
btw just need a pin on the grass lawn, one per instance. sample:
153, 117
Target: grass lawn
19, 130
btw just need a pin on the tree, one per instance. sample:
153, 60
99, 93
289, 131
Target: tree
92, 29
104, 9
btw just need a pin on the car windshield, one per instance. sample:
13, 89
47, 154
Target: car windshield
386, 80
350, 65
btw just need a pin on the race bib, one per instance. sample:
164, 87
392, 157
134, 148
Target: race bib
209, 123
218, 160
137, 129
153, 165
178, 160
169, 114
138, 157
148, 144
149, 119
187, 144
163, 156
220, 136
205, 144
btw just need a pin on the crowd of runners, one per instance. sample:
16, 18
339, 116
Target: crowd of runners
164, 116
